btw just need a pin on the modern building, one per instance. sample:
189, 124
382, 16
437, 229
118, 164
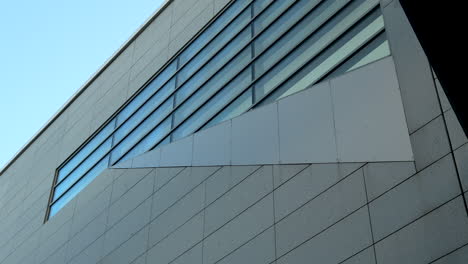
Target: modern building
248, 131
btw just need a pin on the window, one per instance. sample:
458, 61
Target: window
253, 53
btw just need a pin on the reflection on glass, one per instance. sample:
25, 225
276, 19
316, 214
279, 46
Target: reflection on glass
214, 28
214, 46
236, 108
144, 111
141, 130
348, 44
86, 150
269, 14
80, 170
147, 92
213, 85
311, 47
83, 182
214, 65
322, 38
151, 139
213, 105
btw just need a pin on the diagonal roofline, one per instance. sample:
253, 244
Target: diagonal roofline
93, 77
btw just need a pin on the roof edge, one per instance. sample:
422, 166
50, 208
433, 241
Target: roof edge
93, 77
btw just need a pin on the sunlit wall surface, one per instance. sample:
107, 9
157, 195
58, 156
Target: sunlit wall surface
253, 53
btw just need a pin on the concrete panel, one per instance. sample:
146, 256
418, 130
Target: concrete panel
155, 36
247, 193
430, 143
128, 180
369, 118
102, 182
365, 257
320, 213
444, 102
148, 159
163, 175
347, 237
140, 260
414, 74
187, 10
125, 164
130, 250
282, 173
187, 27
260, 250
18, 253
58, 257
90, 211
219, 5
54, 242
91, 255
225, 179
254, 137
213, 146
87, 235
178, 187
62, 217
306, 185
240, 230
306, 129
130, 200
127, 227
428, 238
460, 256
457, 135
179, 153
192, 256
414, 197
384, 3
145, 68
380, 177
178, 242
461, 156
177, 215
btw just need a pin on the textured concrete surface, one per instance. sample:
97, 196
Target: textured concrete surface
365, 212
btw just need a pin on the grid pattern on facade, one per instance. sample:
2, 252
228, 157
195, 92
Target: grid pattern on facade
253, 53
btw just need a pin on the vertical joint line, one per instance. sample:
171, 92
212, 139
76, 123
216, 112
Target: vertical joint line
460, 185
204, 215
368, 211
274, 210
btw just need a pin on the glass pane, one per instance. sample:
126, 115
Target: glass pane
259, 5
311, 47
164, 142
214, 105
291, 16
213, 85
84, 152
376, 50
143, 112
150, 140
269, 14
80, 170
239, 106
141, 130
352, 41
214, 46
147, 92
214, 65
308, 25
214, 28
59, 204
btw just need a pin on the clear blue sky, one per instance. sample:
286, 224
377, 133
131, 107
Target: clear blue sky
48, 49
